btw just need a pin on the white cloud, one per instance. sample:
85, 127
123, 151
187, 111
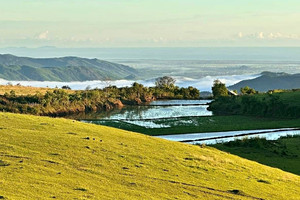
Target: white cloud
240, 35
268, 36
78, 39
261, 35
158, 40
203, 84
43, 35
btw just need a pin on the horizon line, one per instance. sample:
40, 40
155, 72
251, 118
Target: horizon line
149, 47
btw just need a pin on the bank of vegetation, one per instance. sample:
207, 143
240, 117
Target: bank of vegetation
276, 105
273, 104
60, 102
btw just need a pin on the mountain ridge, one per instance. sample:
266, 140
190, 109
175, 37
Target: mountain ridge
270, 81
68, 68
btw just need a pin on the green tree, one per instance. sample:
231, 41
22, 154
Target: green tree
248, 90
219, 89
12, 93
66, 87
165, 82
138, 89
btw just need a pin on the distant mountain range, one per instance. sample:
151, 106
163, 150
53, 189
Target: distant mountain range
62, 69
270, 81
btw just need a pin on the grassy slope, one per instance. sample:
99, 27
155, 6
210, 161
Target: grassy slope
283, 153
23, 90
45, 158
207, 124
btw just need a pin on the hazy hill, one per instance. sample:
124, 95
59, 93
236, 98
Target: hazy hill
270, 81
43, 158
61, 69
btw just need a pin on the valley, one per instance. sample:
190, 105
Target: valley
106, 146
149, 100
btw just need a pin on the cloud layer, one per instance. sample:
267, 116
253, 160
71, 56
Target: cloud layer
268, 36
203, 84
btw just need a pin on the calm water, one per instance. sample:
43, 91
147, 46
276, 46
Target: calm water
179, 102
146, 116
155, 110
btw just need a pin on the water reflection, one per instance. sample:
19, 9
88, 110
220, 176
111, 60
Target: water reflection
160, 112
156, 110
180, 102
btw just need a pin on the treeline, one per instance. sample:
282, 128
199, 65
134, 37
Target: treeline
278, 105
60, 102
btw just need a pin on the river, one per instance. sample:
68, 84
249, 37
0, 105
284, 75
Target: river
155, 114
221, 137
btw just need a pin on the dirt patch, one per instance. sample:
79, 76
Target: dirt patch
44, 124
50, 161
81, 189
263, 181
72, 133
239, 192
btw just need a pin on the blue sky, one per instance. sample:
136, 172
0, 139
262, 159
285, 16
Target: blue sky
149, 23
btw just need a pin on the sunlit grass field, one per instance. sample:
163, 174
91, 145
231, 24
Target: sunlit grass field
44, 158
25, 90
22, 90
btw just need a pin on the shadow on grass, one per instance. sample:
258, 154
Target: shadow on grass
283, 153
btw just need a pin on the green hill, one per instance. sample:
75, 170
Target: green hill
43, 158
270, 81
61, 69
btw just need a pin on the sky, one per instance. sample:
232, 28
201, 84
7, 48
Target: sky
149, 23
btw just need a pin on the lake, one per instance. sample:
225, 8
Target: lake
142, 115
154, 110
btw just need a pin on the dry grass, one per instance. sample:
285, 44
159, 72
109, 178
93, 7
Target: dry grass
25, 90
